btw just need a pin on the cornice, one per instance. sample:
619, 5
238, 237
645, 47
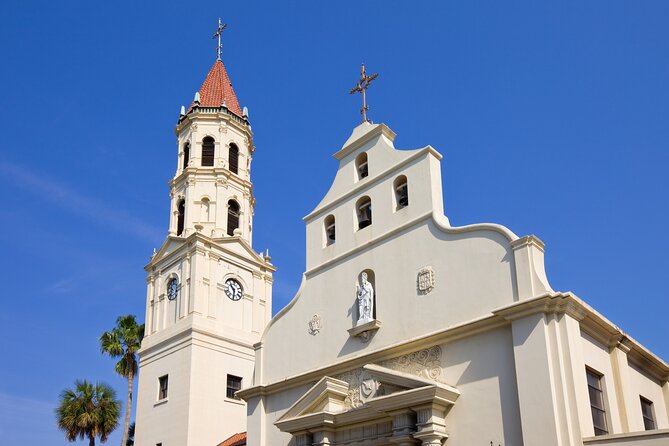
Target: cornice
592, 323
555, 303
364, 138
210, 174
450, 334
202, 244
528, 240
213, 114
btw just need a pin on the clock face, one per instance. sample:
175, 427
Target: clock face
233, 289
172, 289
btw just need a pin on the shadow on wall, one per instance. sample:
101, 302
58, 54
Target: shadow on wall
483, 369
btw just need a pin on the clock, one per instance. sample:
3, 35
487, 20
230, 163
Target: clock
233, 289
172, 288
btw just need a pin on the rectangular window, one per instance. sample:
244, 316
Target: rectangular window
597, 402
647, 412
234, 384
162, 387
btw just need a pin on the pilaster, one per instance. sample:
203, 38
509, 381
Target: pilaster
430, 424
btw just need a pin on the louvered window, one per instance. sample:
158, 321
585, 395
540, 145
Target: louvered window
233, 159
208, 151
233, 217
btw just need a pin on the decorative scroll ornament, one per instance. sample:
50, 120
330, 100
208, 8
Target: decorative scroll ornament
424, 363
315, 325
425, 280
362, 387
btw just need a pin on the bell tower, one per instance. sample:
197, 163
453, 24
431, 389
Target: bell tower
209, 294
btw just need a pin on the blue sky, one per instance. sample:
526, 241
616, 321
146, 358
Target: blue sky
552, 118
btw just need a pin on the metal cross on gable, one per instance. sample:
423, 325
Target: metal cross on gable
219, 31
362, 86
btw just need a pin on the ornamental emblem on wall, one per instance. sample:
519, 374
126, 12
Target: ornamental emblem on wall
425, 280
315, 325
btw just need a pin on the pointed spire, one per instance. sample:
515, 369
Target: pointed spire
217, 90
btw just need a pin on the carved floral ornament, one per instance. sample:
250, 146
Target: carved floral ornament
362, 386
315, 325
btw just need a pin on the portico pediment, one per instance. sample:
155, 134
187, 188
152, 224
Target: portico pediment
414, 406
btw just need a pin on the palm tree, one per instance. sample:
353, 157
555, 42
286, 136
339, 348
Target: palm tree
123, 342
88, 411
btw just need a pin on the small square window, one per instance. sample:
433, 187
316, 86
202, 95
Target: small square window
162, 387
234, 384
647, 413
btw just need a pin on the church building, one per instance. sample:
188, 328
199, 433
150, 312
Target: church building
410, 331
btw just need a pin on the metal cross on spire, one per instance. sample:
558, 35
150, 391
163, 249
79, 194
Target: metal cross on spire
219, 31
362, 86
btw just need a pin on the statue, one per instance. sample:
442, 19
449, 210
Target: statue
365, 300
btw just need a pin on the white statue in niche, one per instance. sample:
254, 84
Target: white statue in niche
365, 300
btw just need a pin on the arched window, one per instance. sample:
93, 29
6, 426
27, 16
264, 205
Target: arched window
204, 209
181, 210
401, 192
361, 166
233, 158
364, 210
208, 151
233, 216
330, 233
186, 154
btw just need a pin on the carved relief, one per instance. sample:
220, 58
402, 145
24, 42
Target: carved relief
193, 127
424, 363
425, 280
362, 387
315, 325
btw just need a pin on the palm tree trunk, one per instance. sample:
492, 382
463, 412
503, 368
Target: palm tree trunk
91, 440
128, 408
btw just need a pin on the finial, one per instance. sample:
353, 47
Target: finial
224, 104
196, 99
361, 87
182, 111
219, 31
245, 112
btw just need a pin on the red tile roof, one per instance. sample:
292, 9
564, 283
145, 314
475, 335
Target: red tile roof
235, 440
216, 88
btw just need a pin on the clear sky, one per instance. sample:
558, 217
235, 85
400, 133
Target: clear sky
552, 118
